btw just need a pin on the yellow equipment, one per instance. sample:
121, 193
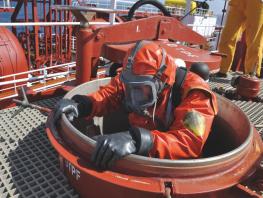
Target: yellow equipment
180, 3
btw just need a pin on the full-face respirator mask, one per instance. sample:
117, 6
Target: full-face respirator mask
141, 91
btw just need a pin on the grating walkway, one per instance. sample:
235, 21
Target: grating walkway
254, 110
29, 164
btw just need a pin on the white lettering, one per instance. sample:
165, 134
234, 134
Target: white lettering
171, 45
72, 170
77, 174
186, 52
183, 51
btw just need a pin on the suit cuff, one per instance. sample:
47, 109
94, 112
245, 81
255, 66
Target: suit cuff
143, 139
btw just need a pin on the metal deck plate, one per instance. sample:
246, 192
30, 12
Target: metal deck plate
29, 165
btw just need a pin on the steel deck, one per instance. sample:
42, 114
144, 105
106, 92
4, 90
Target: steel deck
29, 165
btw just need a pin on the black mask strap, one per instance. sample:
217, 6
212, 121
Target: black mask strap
136, 48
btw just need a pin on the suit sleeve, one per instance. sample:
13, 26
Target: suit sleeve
108, 98
190, 128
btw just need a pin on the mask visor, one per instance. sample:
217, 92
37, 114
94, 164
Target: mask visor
140, 94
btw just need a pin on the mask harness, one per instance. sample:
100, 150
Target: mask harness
135, 98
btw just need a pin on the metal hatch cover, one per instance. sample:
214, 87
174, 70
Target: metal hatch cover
117, 52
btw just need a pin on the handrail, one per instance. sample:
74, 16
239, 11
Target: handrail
49, 23
71, 64
42, 78
37, 89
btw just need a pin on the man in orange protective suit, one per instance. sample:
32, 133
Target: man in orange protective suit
159, 127
243, 15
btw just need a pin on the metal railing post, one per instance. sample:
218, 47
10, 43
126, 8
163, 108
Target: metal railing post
113, 15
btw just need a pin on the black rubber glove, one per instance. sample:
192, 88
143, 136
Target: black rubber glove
78, 106
84, 105
67, 106
110, 148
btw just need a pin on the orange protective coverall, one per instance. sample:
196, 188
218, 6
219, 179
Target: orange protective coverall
179, 141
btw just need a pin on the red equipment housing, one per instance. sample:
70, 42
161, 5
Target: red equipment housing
12, 57
94, 42
248, 87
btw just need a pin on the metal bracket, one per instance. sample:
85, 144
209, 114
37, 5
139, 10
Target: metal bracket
25, 104
83, 17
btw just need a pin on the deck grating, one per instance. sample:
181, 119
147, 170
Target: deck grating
28, 162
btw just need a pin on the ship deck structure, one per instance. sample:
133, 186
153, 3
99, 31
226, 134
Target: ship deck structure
29, 164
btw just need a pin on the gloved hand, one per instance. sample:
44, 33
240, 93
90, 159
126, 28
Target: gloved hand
84, 105
67, 106
110, 148
79, 106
